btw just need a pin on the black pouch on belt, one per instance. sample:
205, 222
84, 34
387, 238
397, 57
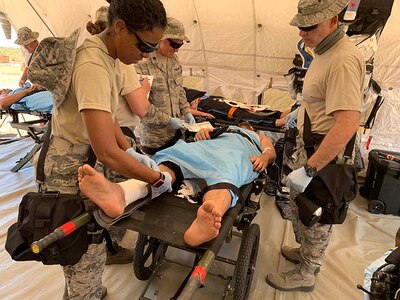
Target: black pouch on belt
308, 210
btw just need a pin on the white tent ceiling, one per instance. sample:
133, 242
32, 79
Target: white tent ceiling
237, 46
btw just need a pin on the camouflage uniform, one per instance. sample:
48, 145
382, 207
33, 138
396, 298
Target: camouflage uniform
325, 93
314, 240
61, 169
167, 98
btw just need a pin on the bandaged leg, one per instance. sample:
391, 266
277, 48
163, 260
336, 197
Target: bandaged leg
209, 216
112, 198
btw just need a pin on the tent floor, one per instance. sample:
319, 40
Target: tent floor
362, 238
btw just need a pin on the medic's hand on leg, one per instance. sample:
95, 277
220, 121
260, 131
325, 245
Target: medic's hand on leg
164, 184
298, 180
144, 159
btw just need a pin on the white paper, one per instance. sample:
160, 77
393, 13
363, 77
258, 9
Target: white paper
197, 126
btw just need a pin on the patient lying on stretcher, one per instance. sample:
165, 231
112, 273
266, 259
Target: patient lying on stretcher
32, 98
236, 156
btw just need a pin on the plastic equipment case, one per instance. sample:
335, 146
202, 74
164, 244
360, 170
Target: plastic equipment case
382, 183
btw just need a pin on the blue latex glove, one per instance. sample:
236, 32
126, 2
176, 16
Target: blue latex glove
298, 180
176, 123
166, 186
189, 119
291, 119
144, 159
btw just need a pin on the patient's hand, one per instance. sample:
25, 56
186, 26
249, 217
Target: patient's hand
260, 163
203, 134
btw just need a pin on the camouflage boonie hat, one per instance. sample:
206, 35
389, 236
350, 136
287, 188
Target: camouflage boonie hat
26, 36
52, 64
312, 12
175, 30
102, 15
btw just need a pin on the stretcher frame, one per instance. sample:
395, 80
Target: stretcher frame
154, 221
34, 128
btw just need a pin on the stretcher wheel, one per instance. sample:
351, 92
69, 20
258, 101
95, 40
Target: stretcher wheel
376, 206
270, 187
143, 265
246, 262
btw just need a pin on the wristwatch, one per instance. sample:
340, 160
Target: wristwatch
160, 181
310, 171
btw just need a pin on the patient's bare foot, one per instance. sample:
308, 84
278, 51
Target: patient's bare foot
107, 195
206, 225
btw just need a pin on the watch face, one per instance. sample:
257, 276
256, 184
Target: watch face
311, 171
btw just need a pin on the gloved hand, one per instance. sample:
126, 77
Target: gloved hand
189, 119
144, 159
298, 180
165, 187
176, 123
291, 119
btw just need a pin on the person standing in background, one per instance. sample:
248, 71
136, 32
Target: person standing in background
28, 39
169, 108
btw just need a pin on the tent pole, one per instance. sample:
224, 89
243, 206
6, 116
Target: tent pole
40, 17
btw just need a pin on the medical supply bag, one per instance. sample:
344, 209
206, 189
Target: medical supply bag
40, 213
332, 189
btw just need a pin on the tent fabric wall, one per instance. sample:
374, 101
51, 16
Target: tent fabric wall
237, 46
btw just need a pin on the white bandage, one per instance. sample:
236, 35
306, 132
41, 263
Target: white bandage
133, 190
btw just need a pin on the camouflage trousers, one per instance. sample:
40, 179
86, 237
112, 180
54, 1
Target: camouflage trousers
315, 239
83, 280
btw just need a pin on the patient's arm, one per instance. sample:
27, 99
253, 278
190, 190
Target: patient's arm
267, 156
7, 100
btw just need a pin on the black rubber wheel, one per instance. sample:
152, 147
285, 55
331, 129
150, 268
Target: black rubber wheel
246, 262
143, 264
376, 206
270, 187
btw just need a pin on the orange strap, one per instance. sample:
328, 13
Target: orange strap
230, 112
200, 272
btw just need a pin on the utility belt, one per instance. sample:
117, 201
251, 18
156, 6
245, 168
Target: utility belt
171, 142
63, 144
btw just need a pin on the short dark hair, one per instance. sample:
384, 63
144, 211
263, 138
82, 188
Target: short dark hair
138, 15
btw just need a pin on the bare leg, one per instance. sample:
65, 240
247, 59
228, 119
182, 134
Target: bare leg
107, 195
110, 197
209, 215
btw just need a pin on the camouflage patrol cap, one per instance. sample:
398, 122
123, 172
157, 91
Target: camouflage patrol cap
312, 12
102, 15
52, 64
175, 30
26, 36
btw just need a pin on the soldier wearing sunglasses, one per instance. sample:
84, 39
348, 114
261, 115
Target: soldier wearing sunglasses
332, 94
169, 108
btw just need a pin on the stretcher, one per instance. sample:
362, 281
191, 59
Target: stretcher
34, 128
162, 223
232, 113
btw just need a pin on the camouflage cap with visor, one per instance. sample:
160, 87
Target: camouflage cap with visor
312, 12
175, 30
26, 36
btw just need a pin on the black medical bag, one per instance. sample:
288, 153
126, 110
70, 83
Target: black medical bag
382, 183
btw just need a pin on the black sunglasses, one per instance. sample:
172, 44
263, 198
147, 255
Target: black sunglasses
174, 45
144, 46
309, 28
